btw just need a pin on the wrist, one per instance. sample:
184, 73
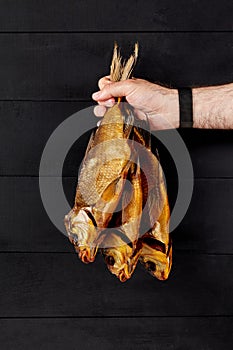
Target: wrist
171, 112
175, 108
186, 107
164, 115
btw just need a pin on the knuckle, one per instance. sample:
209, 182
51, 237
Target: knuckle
108, 87
101, 83
104, 82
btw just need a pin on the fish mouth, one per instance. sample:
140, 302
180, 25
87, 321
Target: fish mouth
87, 254
123, 276
126, 273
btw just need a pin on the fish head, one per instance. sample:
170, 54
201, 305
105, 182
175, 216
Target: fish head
117, 255
82, 233
155, 260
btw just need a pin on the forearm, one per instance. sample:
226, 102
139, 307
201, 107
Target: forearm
213, 107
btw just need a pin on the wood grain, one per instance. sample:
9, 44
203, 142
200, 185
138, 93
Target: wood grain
68, 66
89, 15
44, 285
139, 333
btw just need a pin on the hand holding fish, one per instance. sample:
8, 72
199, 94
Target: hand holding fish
158, 103
212, 105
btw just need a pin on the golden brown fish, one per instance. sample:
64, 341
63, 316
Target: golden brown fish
120, 254
156, 254
132, 200
103, 172
100, 183
157, 200
156, 249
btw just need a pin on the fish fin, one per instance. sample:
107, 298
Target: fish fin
115, 68
142, 133
160, 171
138, 168
129, 65
126, 198
134, 170
128, 121
122, 70
90, 143
113, 189
153, 208
157, 154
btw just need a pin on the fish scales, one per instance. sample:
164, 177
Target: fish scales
103, 172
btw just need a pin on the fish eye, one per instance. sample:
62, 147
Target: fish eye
110, 260
151, 266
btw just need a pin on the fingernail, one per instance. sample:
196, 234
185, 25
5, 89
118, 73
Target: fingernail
96, 95
109, 103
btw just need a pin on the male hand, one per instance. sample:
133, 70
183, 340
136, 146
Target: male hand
159, 104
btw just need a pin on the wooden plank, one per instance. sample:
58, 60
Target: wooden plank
210, 151
54, 285
208, 221
26, 127
25, 226
127, 333
94, 15
68, 66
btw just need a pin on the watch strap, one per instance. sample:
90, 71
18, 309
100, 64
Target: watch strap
186, 107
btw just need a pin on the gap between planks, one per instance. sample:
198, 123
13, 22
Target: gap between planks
112, 317
118, 32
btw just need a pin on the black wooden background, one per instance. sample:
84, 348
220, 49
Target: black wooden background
52, 55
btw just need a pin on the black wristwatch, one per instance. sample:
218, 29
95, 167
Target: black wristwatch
186, 107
